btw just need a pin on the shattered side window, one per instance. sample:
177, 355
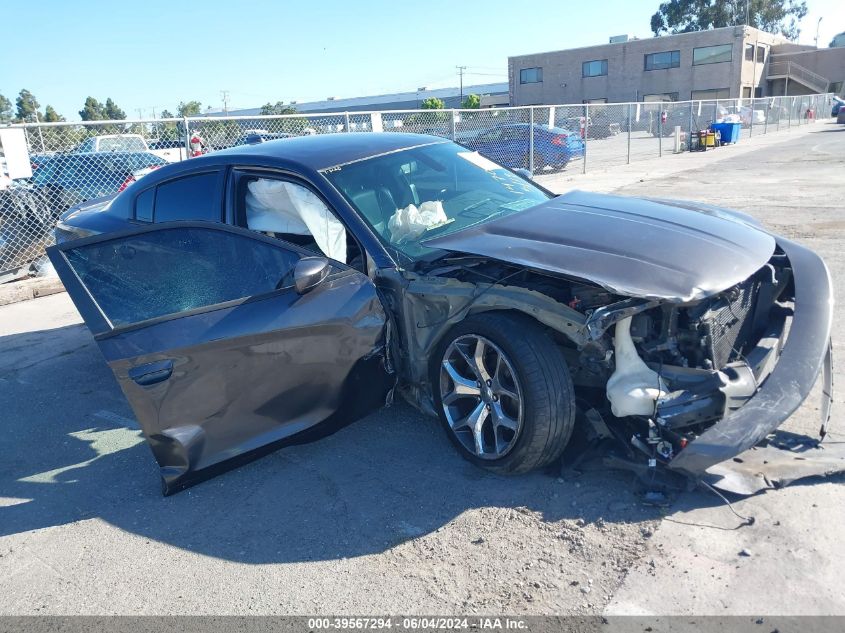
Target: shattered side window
169, 271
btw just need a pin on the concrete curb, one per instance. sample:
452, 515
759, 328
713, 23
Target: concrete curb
27, 289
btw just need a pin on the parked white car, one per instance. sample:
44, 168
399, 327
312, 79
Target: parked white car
128, 143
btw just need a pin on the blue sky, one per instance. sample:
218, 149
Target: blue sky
154, 54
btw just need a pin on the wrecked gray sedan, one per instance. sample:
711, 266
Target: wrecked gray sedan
267, 295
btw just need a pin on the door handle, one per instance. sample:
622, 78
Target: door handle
152, 373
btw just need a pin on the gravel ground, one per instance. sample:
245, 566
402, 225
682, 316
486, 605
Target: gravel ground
384, 516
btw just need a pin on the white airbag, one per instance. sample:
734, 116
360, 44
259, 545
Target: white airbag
275, 206
633, 388
411, 222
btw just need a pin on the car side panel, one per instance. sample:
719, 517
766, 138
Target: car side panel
246, 378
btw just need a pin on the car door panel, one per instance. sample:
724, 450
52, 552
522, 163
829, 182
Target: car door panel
215, 386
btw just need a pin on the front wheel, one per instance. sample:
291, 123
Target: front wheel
503, 393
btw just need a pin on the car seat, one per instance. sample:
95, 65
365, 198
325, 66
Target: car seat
377, 205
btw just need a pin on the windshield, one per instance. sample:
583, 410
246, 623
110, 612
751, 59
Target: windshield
122, 144
422, 192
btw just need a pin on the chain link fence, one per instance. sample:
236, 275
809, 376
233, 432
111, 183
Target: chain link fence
77, 162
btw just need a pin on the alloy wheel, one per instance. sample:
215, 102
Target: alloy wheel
481, 396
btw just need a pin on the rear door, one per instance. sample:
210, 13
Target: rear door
219, 356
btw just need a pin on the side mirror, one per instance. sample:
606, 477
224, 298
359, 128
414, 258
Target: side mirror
523, 173
309, 272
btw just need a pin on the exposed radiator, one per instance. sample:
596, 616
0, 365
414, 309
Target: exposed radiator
728, 324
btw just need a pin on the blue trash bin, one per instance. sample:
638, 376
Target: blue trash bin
728, 131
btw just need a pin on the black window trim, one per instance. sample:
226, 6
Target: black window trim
730, 47
670, 52
339, 270
219, 186
604, 66
540, 74
236, 172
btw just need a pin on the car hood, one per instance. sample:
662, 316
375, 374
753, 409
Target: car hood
675, 251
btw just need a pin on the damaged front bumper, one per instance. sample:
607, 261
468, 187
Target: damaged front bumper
806, 354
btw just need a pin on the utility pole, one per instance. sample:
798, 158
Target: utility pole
818, 24
461, 70
224, 94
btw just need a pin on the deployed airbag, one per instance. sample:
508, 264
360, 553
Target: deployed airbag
411, 222
275, 206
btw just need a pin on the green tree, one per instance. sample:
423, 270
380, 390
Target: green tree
5, 109
51, 116
92, 110
112, 111
191, 108
471, 102
26, 105
432, 103
168, 130
58, 138
684, 16
279, 108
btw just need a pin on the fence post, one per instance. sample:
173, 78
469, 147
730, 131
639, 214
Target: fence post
586, 136
766, 120
751, 126
660, 131
346, 122
531, 140
630, 107
186, 123
791, 108
689, 131
40, 135
454, 114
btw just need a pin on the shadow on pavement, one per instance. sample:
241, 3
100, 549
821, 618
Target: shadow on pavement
72, 451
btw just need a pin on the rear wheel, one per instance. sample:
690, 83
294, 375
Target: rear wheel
539, 162
503, 393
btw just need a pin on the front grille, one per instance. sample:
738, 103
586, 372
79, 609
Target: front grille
728, 325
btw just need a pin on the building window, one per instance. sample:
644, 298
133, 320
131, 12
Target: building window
531, 76
761, 54
713, 93
662, 61
663, 96
713, 54
749, 52
595, 68
592, 101
746, 92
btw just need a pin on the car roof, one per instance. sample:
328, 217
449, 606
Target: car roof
95, 156
321, 151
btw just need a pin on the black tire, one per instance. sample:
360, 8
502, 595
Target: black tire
561, 166
539, 162
547, 392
